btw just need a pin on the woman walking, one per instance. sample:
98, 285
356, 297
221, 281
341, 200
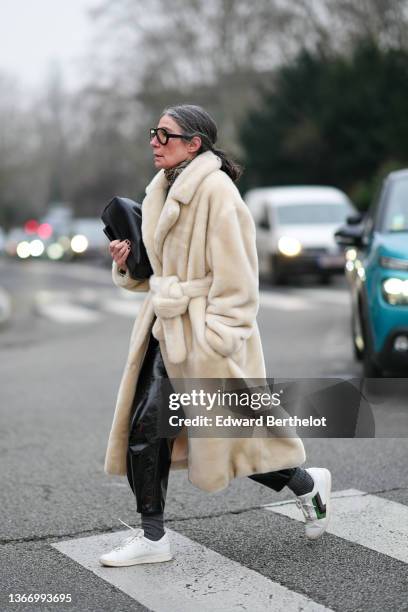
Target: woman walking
198, 320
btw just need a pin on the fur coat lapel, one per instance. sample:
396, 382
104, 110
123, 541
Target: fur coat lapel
160, 213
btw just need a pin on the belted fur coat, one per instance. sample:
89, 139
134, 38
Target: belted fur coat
201, 304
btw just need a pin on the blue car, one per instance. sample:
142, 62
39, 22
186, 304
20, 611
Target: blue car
377, 270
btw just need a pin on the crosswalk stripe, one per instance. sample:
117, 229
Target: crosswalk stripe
319, 296
122, 307
56, 305
197, 579
371, 521
5, 306
68, 313
76, 271
59, 305
280, 301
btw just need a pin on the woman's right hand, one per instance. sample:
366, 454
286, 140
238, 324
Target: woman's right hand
120, 249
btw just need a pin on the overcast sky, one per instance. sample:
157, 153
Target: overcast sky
34, 33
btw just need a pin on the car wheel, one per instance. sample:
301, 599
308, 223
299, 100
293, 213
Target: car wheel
370, 368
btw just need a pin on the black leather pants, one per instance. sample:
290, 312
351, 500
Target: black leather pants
148, 455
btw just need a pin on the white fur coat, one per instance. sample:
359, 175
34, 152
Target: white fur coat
200, 240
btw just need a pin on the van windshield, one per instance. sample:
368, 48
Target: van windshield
321, 213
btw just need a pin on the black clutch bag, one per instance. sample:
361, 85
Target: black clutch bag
123, 221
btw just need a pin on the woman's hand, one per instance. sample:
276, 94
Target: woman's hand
120, 249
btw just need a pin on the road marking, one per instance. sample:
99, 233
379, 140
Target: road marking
197, 579
122, 307
55, 305
85, 305
283, 301
303, 299
5, 306
319, 296
68, 313
59, 304
371, 521
87, 295
75, 270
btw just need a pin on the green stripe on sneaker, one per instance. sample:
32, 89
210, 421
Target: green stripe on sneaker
318, 506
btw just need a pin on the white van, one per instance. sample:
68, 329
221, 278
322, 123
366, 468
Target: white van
295, 230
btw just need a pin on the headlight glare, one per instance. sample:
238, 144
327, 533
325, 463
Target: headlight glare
395, 291
79, 243
350, 254
289, 246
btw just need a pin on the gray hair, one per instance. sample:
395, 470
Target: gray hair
196, 121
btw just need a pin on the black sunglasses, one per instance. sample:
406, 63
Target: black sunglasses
163, 135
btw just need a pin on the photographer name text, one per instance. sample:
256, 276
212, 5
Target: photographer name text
259, 421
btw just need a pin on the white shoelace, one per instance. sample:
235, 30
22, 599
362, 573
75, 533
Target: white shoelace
137, 534
307, 509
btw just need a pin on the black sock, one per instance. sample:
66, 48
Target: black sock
153, 526
301, 482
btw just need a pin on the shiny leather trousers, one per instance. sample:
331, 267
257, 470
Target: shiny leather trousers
148, 455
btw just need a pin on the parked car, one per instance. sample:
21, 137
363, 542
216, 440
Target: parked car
88, 240
14, 237
377, 270
295, 227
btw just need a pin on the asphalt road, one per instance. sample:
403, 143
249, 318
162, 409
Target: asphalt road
61, 359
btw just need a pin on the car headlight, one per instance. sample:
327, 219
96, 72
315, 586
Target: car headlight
393, 263
55, 250
395, 291
350, 254
36, 248
23, 249
289, 246
79, 243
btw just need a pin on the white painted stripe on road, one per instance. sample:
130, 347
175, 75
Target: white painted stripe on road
125, 294
80, 271
87, 295
68, 313
56, 305
44, 296
319, 296
196, 579
122, 307
5, 305
283, 301
369, 520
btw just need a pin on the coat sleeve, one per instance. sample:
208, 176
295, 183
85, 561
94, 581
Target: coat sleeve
233, 299
127, 282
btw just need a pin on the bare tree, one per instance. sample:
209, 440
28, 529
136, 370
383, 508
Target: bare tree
216, 52
222, 54
18, 144
336, 25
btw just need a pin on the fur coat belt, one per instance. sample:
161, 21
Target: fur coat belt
171, 298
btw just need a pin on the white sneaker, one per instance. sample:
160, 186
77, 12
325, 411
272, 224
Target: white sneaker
138, 549
316, 504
